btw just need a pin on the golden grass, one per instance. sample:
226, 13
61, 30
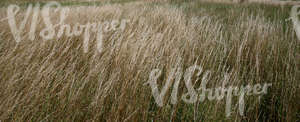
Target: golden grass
55, 80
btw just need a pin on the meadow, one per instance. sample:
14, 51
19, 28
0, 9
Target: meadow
55, 79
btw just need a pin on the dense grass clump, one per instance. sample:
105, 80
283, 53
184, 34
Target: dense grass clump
55, 80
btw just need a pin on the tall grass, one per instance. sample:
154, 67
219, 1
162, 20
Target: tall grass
55, 80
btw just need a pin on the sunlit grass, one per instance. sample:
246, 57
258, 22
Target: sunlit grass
55, 80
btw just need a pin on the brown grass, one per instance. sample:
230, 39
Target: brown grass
54, 80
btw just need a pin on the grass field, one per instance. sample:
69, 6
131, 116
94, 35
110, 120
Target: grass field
55, 80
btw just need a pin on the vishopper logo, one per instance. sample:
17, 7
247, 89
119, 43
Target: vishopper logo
49, 32
295, 19
192, 95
